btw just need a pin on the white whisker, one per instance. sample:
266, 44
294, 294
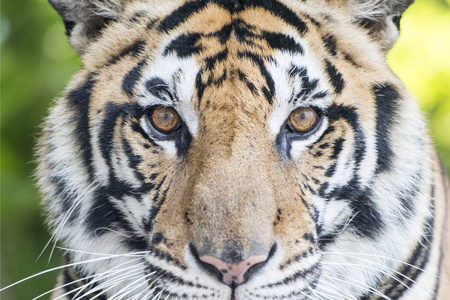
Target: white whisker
58, 268
59, 229
357, 284
107, 285
128, 254
96, 278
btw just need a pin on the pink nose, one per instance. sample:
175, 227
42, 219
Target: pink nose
233, 272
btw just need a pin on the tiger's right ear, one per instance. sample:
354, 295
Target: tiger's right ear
84, 19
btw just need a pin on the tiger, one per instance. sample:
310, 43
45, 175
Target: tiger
241, 149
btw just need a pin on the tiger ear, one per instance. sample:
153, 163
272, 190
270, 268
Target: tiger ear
380, 17
84, 19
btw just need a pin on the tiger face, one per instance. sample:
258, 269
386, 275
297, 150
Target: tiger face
238, 150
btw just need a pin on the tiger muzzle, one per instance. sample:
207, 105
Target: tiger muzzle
232, 208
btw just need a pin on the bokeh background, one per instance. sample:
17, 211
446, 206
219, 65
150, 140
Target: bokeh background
37, 62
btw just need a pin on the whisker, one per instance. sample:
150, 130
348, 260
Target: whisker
124, 291
105, 286
128, 254
355, 254
358, 284
130, 271
366, 267
111, 230
384, 272
153, 289
162, 290
334, 294
63, 285
101, 275
60, 227
312, 290
58, 268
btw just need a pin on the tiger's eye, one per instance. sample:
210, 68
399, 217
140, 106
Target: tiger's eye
164, 119
303, 119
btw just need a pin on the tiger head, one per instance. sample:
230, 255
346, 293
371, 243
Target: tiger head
254, 149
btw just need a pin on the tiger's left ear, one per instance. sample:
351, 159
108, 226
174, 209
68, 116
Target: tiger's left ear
84, 19
380, 17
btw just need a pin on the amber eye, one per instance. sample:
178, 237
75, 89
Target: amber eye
164, 119
303, 120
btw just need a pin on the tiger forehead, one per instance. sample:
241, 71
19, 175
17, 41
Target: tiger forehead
236, 50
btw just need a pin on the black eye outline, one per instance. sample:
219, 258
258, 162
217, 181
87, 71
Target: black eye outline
292, 131
180, 135
288, 134
157, 132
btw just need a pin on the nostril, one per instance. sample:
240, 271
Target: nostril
233, 273
206, 266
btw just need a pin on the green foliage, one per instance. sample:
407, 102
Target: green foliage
37, 63
420, 59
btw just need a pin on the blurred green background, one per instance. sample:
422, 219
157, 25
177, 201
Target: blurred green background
37, 62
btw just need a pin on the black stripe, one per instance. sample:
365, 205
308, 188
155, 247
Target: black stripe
243, 77
180, 15
246, 33
132, 77
408, 196
103, 213
167, 257
308, 85
70, 275
158, 88
67, 196
222, 35
199, 86
415, 264
107, 131
330, 44
157, 202
217, 58
133, 159
278, 9
184, 45
386, 99
335, 77
310, 275
336, 112
79, 99
268, 91
133, 50
163, 276
337, 148
368, 222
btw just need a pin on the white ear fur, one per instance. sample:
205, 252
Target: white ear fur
108, 8
378, 9
84, 19
380, 18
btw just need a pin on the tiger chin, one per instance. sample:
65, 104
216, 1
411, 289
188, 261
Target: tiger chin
241, 149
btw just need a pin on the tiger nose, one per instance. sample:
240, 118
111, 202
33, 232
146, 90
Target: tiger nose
233, 272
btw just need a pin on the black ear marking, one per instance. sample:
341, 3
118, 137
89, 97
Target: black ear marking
396, 21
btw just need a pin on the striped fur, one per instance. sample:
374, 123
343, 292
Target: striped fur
355, 209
